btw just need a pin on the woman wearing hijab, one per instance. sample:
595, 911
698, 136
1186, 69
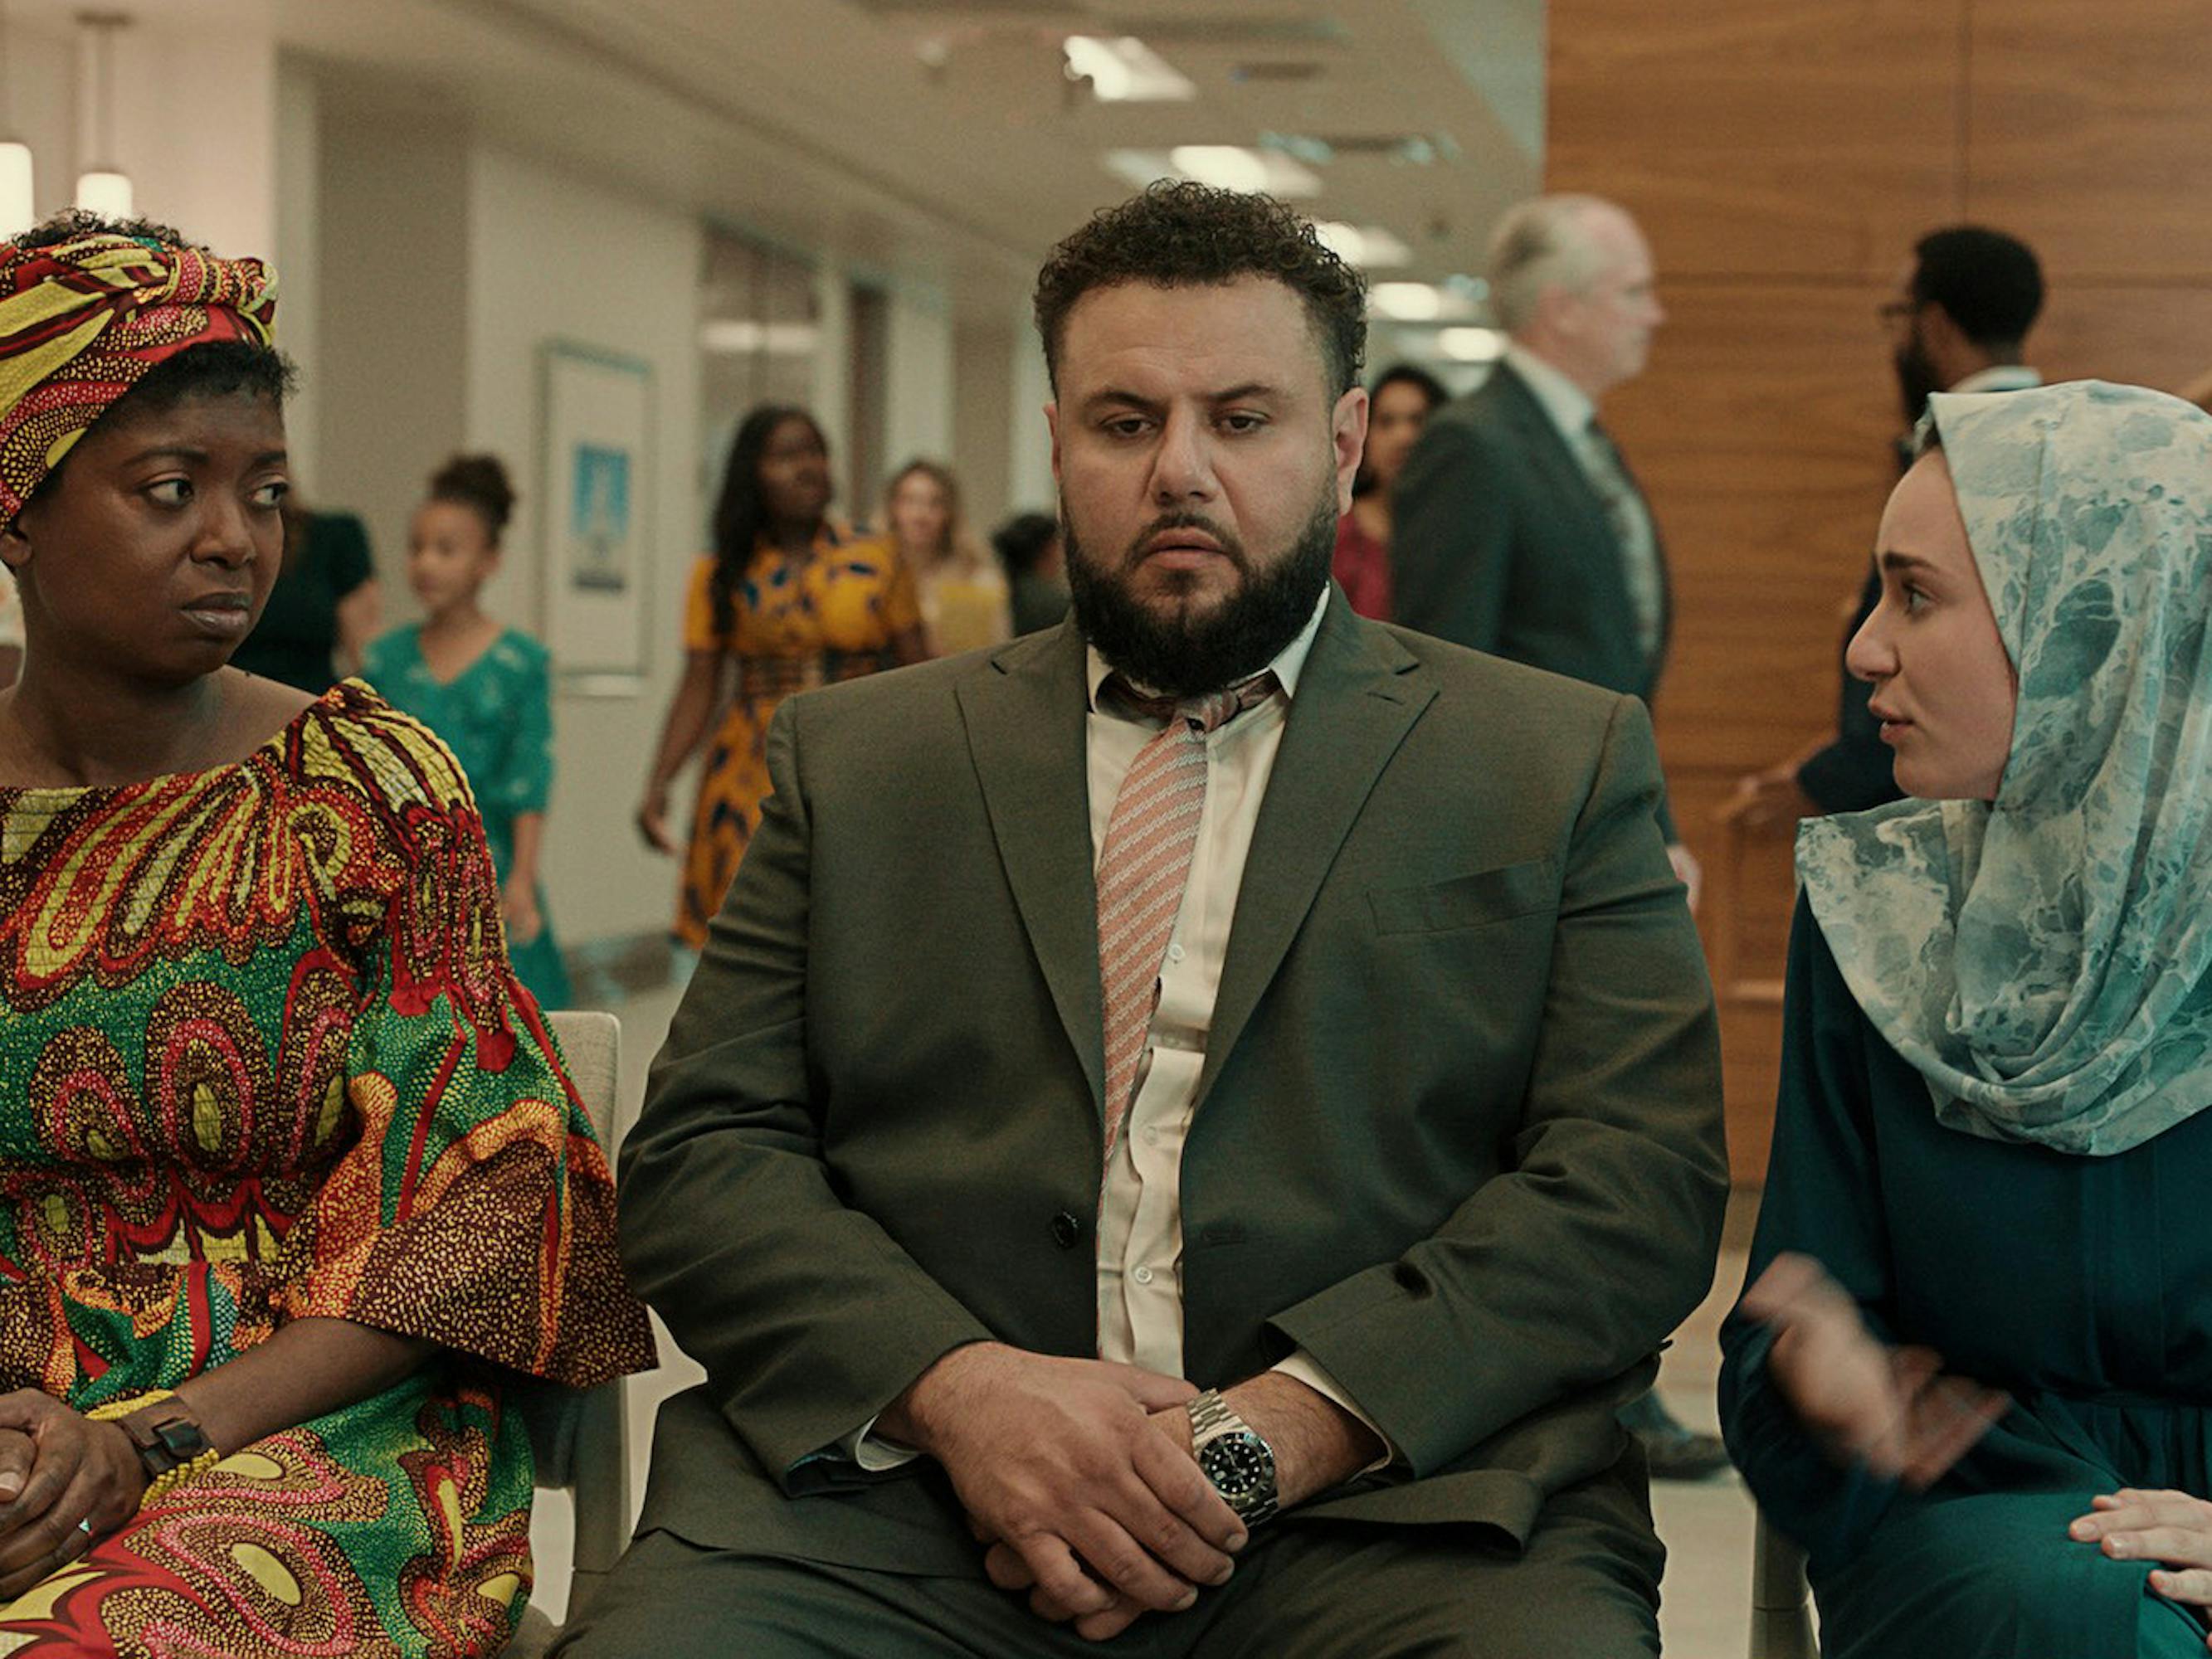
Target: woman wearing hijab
1973, 1373
290, 1176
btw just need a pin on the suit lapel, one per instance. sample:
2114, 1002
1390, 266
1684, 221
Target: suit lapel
1025, 716
1568, 485
1571, 487
1357, 697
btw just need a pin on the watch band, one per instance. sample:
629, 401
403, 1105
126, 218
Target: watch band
1212, 1418
1209, 1415
166, 1437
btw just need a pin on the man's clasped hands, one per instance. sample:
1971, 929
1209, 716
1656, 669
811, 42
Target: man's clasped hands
1079, 1480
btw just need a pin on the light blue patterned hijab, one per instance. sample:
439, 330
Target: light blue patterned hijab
2042, 961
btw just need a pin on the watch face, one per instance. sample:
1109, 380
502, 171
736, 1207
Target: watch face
1239, 1465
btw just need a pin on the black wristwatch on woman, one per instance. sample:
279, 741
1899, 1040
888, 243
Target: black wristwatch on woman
166, 1436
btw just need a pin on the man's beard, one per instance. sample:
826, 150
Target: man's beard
1915, 378
1185, 655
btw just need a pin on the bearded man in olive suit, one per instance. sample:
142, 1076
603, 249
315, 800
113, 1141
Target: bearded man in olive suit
1189, 1125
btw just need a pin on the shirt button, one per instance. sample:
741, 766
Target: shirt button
1152, 1137
1143, 1275
1175, 953
1066, 1229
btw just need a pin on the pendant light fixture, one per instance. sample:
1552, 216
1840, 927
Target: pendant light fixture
17, 207
103, 187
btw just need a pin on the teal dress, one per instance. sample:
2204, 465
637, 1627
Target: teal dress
2078, 1285
496, 716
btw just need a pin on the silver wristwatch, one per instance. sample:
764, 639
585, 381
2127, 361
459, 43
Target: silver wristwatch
1241, 1465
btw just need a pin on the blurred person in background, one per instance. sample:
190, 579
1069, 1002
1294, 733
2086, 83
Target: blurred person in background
486, 690
1971, 1375
1518, 528
1519, 531
1958, 322
963, 593
785, 601
1035, 556
325, 606
1400, 404
298, 1191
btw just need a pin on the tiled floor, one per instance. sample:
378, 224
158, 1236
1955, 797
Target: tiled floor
1707, 1527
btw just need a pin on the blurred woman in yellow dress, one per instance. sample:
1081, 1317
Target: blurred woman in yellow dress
965, 602
785, 601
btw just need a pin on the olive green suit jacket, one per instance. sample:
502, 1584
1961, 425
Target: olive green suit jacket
1457, 1134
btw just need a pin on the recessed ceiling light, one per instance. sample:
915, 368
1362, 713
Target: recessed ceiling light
1124, 71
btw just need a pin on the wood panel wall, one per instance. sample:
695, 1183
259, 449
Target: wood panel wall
1782, 156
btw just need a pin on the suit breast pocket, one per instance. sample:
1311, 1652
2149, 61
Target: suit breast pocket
1469, 900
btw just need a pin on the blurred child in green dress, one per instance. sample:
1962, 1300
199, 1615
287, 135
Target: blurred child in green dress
485, 688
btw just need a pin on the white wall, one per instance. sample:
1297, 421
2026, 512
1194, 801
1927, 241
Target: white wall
1029, 469
917, 395
298, 253
393, 203
550, 257
196, 123
982, 411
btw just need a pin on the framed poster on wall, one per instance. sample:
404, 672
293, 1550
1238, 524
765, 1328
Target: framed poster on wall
596, 517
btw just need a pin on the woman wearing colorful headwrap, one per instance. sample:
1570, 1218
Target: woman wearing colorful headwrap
290, 1175
785, 601
1992, 1158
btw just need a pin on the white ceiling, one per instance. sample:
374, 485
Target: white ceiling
823, 124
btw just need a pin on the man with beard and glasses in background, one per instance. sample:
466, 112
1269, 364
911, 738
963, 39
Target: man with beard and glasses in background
1958, 322
1197, 1119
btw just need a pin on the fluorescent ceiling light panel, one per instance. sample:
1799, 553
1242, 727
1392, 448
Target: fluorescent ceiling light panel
1139, 167
741, 337
1124, 71
1370, 247
1420, 302
1230, 166
1406, 303
1471, 345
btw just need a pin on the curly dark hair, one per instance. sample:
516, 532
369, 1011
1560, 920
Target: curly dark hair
740, 515
480, 484
1182, 234
214, 368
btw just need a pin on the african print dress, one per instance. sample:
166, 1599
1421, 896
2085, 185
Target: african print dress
261, 1058
834, 613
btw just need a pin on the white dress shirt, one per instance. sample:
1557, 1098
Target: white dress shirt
1140, 1212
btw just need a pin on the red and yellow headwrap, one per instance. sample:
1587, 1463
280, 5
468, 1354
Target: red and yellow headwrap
82, 321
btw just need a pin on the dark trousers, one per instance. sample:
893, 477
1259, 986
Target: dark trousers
1586, 1585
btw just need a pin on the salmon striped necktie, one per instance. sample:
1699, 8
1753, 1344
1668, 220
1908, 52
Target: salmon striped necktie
1150, 837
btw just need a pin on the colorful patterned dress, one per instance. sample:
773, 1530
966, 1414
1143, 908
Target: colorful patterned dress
261, 1058
834, 613
496, 715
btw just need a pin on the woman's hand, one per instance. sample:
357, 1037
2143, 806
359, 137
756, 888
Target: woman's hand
1891, 1408
2171, 1528
652, 820
518, 904
79, 1480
